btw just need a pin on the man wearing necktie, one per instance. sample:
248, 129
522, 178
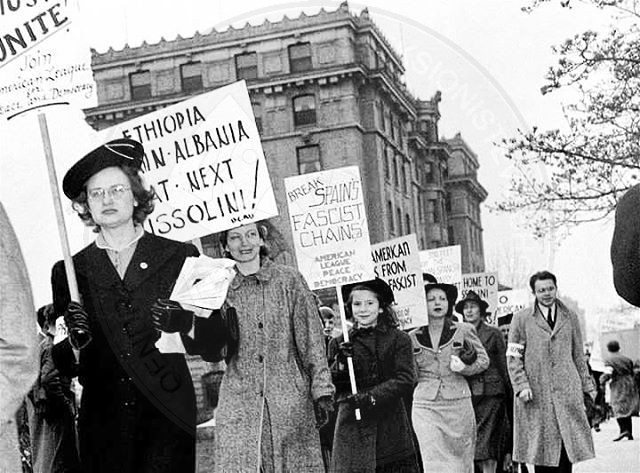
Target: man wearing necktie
549, 377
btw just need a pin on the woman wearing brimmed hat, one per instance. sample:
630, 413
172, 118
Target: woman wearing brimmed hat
382, 440
445, 353
491, 389
138, 406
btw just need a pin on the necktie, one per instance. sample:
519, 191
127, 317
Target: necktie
550, 318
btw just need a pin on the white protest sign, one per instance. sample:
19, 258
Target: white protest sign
512, 301
329, 226
444, 263
397, 262
204, 158
42, 60
486, 286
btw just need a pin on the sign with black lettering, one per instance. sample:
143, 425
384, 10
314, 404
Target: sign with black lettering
512, 301
486, 286
329, 226
397, 261
204, 158
42, 61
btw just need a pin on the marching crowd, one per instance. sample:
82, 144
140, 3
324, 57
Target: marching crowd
456, 395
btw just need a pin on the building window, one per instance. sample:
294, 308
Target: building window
383, 121
447, 203
407, 221
191, 77
308, 159
304, 110
399, 216
429, 177
140, 85
436, 211
247, 66
390, 216
396, 179
445, 172
300, 57
385, 163
257, 115
451, 236
405, 178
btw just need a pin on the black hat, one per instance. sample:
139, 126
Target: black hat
472, 297
428, 278
505, 320
376, 285
119, 152
449, 289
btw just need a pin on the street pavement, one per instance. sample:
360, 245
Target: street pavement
613, 457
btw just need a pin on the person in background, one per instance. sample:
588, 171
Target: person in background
624, 395
504, 324
382, 440
445, 353
51, 409
277, 387
331, 325
549, 378
138, 407
490, 389
18, 342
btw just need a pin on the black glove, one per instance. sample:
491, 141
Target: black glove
468, 354
323, 408
345, 349
77, 321
362, 400
170, 317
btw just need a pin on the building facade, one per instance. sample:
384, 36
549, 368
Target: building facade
327, 91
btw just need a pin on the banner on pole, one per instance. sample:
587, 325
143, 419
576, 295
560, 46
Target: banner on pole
42, 61
486, 286
204, 158
329, 227
397, 261
512, 301
444, 263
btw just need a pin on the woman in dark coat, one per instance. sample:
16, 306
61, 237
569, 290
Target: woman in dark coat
138, 407
491, 389
624, 396
383, 362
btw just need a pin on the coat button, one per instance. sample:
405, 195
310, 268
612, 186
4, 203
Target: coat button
260, 358
260, 325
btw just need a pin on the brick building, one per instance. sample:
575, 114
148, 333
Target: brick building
327, 91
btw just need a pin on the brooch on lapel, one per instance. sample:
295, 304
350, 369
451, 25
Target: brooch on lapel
144, 265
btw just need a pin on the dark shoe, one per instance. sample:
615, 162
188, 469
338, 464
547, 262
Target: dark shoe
623, 435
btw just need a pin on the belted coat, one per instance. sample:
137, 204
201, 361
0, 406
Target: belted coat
123, 375
278, 370
551, 363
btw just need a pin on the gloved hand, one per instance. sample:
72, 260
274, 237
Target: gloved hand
323, 408
467, 353
362, 400
345, 349
170, 317
77, 321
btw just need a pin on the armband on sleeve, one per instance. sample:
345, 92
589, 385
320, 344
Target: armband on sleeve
515, 350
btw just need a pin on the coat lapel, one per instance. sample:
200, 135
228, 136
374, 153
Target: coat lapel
541, 321
99, 266
562, 316
149, 257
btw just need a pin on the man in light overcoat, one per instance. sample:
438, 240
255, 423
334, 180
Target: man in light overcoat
549, 377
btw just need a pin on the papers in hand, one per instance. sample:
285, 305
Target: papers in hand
201, 287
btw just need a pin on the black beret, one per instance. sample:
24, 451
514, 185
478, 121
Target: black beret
119, 152
472, 296
377, 285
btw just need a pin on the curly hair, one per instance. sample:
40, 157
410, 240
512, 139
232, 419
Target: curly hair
450, 303
387, 317
144, 198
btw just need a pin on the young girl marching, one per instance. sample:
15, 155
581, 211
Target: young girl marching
383, 362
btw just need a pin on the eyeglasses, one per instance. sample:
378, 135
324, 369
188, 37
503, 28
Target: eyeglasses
115, 192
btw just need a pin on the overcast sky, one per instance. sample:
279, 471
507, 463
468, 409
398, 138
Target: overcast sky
487, 58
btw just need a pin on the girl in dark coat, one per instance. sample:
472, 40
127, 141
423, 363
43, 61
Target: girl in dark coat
383, 362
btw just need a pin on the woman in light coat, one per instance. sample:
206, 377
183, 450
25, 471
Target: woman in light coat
276, 364
445, 353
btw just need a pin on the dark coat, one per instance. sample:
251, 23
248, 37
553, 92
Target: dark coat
495, 380
624, 395
625, 253
134, 398
383, 364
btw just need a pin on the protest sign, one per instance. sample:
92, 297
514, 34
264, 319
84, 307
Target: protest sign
486, 286
397, 262
512, 301
204, 158
41, 62
329, 226
444, 263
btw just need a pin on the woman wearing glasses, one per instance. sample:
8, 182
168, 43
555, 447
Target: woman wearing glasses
138, 406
